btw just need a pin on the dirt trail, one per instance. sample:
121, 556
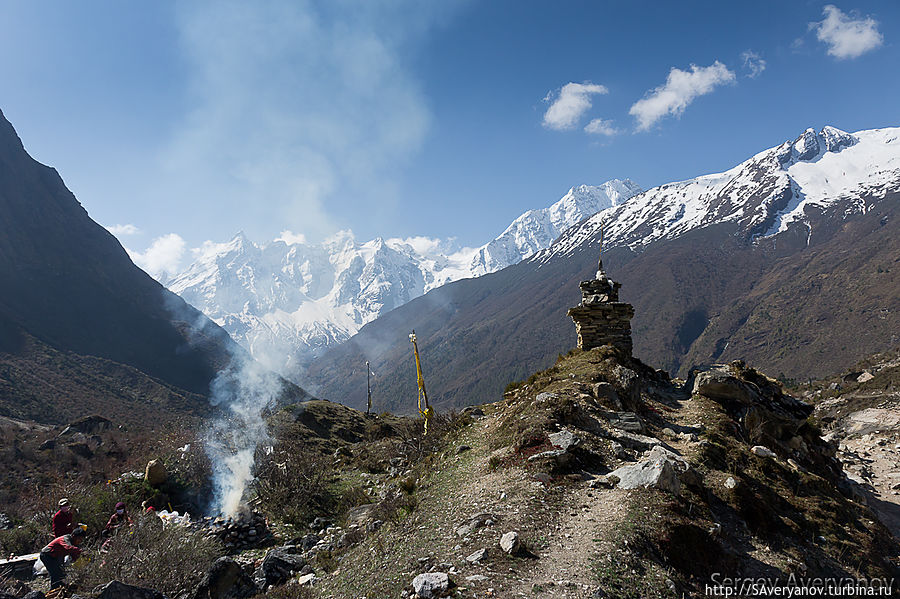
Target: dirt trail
583, 532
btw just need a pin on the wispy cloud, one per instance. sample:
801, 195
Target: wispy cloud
753, 63
569, 103
845, 36
123, 230
297, 101
680, 89
601, 127
290, 238
162, 257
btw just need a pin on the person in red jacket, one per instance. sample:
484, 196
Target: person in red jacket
54, 555
63, 520
119, 518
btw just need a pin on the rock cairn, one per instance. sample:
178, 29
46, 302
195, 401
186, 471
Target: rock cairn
247, 529
600, 318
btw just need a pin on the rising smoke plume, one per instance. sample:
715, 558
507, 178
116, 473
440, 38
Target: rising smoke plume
244, 392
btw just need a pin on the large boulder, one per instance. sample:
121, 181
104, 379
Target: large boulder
658, 472
120, 590
768, 414
277, 568
431, 584
225, 580
155, 473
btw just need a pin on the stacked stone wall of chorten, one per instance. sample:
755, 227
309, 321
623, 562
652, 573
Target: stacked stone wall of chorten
600, 318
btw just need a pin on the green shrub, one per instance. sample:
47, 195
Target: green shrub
294, 484
25, 538
170, 559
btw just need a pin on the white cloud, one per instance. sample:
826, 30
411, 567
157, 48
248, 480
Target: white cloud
290, 238
569, 104
753, 63
601, 127
122, 230
680, 89
847, 37
162, 257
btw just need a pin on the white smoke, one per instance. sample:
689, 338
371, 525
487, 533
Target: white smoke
244, 392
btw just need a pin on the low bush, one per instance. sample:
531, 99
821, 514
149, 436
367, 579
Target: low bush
23, 538
294, 484
170, 559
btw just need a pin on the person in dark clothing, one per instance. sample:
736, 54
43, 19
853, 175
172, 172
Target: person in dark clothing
54, 555
119, 518
63, 520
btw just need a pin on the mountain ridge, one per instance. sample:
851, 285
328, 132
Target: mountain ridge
693, 292
287, 302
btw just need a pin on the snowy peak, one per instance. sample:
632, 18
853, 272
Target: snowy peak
537, 229
287, 300
810, 145
763, 196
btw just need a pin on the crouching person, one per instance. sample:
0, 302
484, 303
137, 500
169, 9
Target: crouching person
54, 555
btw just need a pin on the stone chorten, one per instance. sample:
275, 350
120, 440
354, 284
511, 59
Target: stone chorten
600, 318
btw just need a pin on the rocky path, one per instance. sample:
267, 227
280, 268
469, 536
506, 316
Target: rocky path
565, 567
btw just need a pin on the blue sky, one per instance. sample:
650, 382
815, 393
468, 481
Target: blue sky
190, 121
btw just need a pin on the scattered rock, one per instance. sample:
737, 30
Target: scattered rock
864, 377
730, 483
510, 544
307, 579
476, 522
477, 557
763, 452
155, 473
476, 578
431, 584
277, 568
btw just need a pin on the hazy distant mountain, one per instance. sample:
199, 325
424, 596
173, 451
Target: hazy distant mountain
789, 260
287, 302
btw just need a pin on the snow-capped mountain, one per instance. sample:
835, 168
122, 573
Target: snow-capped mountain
537, 229
786, 260
287, 301
763, 195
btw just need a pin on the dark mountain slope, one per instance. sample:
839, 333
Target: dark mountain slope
692, 295
68, 282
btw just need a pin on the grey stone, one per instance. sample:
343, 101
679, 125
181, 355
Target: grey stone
477, 556
155, 473
763, 452
277, 568
510, 544
626, 421
564, 439
658, 473
730, 483
431, 584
